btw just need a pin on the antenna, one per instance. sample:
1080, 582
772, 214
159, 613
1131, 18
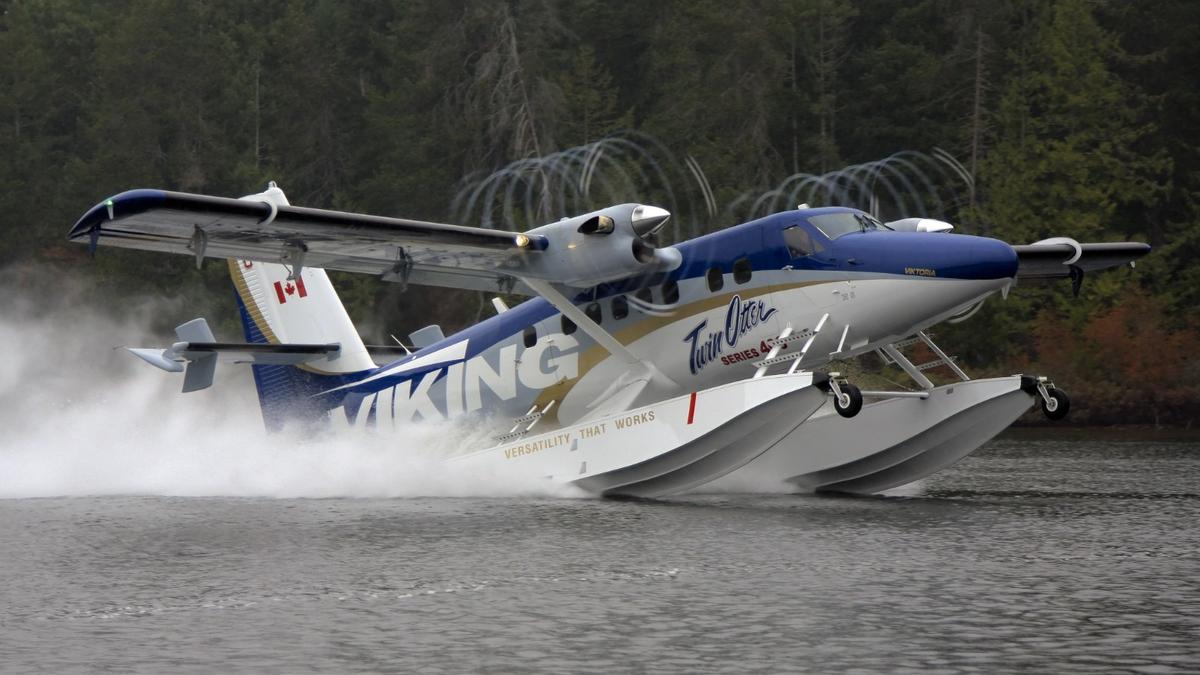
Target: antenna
402, 345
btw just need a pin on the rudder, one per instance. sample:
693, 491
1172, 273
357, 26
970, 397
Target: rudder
276, 309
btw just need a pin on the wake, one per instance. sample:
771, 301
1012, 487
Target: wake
79, 418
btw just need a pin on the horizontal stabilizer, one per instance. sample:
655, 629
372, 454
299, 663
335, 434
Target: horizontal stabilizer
270, 355
1062, 257
199, 358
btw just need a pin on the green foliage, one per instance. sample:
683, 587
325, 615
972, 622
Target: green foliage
1067, 132
1074, 117
590, 103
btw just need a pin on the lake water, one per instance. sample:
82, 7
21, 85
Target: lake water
1039, 555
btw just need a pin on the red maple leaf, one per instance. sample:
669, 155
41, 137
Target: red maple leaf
289, 289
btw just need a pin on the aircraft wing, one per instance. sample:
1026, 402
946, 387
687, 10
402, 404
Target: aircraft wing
1054, 258
396, 249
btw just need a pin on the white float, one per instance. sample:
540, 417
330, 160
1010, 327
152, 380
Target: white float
891, 442
668, 447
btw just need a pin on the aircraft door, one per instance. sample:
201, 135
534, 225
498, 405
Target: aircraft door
816, 286
815, 280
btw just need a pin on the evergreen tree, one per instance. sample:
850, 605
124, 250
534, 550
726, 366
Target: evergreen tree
1077, 117
1067, 127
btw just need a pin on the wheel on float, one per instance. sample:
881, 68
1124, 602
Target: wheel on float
849, 402
1058, 406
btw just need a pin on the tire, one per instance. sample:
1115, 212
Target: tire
1061, 409
855, 404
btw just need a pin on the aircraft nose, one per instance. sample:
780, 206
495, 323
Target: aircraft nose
924, 254
982, 258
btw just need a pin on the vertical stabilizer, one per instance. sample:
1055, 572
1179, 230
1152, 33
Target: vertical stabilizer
278, 310
305, 309
278, 306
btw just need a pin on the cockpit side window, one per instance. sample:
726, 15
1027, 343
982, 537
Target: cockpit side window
800, 242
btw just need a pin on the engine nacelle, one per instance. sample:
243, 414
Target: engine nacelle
920, 225
603, 245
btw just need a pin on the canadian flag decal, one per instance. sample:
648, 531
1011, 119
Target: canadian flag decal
283, 289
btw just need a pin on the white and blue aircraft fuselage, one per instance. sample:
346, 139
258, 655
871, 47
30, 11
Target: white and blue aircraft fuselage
706, 323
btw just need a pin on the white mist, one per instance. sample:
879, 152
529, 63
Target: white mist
78, 417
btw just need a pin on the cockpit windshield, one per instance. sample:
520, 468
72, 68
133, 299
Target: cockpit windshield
834, 225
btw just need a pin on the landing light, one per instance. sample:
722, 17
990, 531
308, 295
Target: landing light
521, 241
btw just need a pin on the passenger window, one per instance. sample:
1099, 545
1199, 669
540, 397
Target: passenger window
670, 291
620, 307
593, 312
530, 336
715, 279
568, 326
799, 242
741, 270
645, 295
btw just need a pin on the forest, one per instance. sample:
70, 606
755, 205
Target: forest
1015, 119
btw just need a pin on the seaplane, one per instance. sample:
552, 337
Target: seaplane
634, 368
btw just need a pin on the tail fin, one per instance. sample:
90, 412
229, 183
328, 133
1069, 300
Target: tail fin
278, 310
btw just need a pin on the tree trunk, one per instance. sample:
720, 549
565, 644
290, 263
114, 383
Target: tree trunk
976, 112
